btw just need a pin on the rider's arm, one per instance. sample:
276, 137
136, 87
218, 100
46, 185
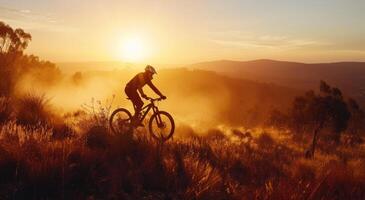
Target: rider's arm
154, 88
140, 90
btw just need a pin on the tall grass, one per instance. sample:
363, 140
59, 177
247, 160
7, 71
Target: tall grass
98, 165
5, 109
46, 156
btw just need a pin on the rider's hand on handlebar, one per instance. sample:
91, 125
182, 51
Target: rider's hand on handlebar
144, 96
163, 97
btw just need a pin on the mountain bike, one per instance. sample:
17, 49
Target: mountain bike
161, 125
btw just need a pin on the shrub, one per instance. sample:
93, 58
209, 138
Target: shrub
33, 109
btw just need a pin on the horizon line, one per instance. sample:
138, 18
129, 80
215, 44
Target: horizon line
208, 61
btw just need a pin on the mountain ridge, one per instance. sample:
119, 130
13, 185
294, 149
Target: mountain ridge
347, 75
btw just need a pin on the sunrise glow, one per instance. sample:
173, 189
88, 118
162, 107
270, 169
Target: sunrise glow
131, 49
182, 99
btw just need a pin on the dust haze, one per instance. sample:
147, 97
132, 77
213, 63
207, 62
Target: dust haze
200, 99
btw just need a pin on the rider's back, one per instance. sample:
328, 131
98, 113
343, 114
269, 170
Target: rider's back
138, 81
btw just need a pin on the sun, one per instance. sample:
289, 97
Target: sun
132, 49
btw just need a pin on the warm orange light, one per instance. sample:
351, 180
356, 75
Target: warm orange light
132, 49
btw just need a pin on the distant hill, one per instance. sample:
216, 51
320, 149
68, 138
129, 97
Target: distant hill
348, 76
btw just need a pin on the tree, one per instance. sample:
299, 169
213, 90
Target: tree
12, 44
13, 41
44, 72
314, 112
14, 64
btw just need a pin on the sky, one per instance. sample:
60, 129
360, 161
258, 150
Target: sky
189, 31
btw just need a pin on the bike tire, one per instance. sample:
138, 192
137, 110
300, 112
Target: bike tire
115, 127
154, 118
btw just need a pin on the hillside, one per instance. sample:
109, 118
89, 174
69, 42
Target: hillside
349, 76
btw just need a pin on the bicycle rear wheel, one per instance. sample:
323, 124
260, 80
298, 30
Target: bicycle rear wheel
161, 126
120, 121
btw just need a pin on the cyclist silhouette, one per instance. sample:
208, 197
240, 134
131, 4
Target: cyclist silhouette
136, 84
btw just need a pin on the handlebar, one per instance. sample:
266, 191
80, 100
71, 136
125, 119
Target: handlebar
154, 99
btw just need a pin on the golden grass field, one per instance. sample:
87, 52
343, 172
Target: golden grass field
79, 158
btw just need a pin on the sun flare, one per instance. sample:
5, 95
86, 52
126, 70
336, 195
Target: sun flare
132, 49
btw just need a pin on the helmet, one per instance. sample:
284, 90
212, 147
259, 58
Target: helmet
151, 69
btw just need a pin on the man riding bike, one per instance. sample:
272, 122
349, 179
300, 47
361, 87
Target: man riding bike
137, 83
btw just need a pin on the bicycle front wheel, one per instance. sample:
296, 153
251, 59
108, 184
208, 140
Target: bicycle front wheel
120, 121
161, 126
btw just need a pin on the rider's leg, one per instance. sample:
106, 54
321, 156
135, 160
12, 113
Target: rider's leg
137, 103
136, 117
136, 100
138, 108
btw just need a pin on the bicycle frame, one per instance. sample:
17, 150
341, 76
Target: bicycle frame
145, 110
156, 116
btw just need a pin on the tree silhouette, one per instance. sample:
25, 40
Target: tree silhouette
315, 112
13, 41
14, 64
12, 44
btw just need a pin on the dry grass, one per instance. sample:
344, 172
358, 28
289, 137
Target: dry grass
76, 157
5, 109
95, 164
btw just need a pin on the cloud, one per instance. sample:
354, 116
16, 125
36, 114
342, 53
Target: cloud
28, 19
241, 39
24, 15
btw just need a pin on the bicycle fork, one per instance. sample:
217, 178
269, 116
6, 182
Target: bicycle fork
158, 118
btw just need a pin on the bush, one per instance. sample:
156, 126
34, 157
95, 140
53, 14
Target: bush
32, 110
